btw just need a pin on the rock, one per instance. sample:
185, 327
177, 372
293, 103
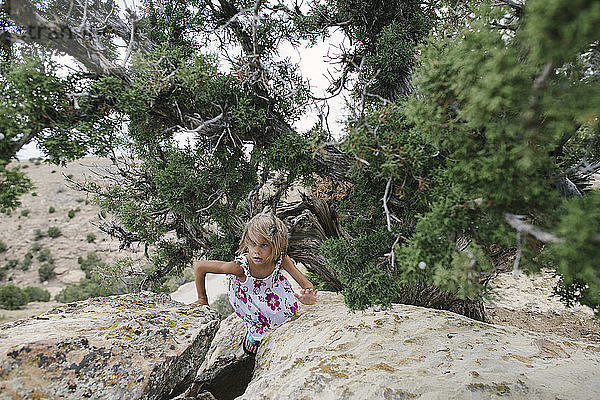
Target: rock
61, 270
413, 352
141, 345
71, 277
226, 369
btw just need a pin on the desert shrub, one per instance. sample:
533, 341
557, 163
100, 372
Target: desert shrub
11, 263
71, 213
88, 264
37, 293
90, 237
80, 200
45, 255
53, 171
36, 247
51, 210
84, 289
25, 212
53, 232
34, 194
38, 234
27, 260
222, 305
46, 272
3, 246
12, 297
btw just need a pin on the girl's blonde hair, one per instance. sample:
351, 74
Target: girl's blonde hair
269, 228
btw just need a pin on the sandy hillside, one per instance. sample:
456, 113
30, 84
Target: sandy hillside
18, 230
520, 301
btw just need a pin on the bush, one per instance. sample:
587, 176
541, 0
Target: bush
90, 237
37, 293
3, 246
46, 272
53, 232
34, 194
45, 255
84, 289
25, 212
51, 210
38, 234
13, 297
71, 213
222, 305
27, 260
11, 264
88, 264
36, 247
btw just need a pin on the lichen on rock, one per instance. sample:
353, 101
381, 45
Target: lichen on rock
141, 345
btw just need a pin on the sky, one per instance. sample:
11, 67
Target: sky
313, 66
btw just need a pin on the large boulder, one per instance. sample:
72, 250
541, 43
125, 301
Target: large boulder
135, 346
409, 352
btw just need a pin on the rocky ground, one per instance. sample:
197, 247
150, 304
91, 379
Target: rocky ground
522, 301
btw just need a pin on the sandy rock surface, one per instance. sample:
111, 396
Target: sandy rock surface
132, 346
409, 352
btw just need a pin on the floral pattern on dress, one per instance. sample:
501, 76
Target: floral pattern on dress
262, 303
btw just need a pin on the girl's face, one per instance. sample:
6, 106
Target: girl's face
260, 251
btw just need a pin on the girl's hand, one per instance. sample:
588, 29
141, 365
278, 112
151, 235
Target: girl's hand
307, 296
201, 301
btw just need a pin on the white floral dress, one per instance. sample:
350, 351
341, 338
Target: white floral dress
264, 303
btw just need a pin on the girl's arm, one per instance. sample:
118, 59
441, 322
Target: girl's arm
201, 268
308, 294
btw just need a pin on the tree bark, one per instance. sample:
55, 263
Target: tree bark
310, 222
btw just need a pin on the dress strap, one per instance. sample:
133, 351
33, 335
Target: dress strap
278, 263
243, 261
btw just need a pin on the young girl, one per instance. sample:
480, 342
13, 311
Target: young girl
258, 291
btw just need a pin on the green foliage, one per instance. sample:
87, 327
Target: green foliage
290, 152
89, 263
224, 247
27, 260
38, 234
36, 247
53, 232
222, 305
25, 212
3, 246
51, 210
84, 289
45, 255
576, 258
360, 263
12, 297
46, 272
487, 100
90, 237
37, 294
13, 183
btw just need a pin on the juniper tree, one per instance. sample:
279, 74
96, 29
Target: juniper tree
495, 147
467, 125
